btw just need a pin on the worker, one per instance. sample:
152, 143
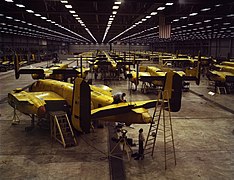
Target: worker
141, 140
119, 97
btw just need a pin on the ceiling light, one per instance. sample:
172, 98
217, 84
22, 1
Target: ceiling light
184, 17
111, 19
205, 9
72, 12
8, 17
114, 12
153, 13
147, 17
75, 15
9, 0
17, 20
20, 5
143, 19
30, 11
226, 23
160, 8
43, 17
115, 7
65, 2
118, 2
48, 20
169, 4
77, 18
193, 14
37, 15
208, 20
68, 6
218, 18
175, 20
230, 15
217, 5
198, 23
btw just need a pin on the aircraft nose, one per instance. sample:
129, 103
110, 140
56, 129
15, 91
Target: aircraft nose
41, 111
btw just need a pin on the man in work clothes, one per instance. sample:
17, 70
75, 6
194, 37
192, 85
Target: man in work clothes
119, 97
141, 140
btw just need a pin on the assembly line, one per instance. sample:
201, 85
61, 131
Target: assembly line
50, 95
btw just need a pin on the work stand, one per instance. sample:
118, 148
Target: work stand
125, 146
15, 119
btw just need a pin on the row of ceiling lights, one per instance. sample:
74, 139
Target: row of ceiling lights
190, 24
143, 20
29, 31
116, 7
209, 32
61, 35
149, 29
111, 18
48, 20
76, 16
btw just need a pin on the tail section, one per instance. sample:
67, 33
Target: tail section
81, 106
198, 74
16, 66
173, 85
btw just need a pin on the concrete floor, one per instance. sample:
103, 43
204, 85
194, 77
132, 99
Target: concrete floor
203, 134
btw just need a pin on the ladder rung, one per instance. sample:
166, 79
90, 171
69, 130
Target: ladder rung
169, 136
149, 148
149, 144
147, 153
150, 139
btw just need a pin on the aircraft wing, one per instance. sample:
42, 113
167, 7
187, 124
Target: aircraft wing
32, 102
121, 108
221, 76
31, 71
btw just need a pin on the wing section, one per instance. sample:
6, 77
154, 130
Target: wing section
34, 102
121, 108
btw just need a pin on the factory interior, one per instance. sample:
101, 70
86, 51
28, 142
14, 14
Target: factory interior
117, 89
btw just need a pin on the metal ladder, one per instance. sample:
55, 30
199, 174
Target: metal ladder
61, 129
161, 111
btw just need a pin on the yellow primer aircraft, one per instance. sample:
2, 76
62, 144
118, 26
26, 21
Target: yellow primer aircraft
156, 75
88, 102
222, 73
56, 71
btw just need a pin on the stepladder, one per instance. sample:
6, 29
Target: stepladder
61, 129
161, 125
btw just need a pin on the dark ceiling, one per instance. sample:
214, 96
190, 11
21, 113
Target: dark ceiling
135, 20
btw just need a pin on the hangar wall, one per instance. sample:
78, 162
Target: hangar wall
218, 48
23, 44
77, 48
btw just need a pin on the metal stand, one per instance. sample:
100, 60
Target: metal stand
15, 119
124, 142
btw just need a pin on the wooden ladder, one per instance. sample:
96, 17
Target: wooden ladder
61, 129
161, 111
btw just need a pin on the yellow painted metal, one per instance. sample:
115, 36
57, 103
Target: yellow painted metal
220, 75
30, 102
43, 90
